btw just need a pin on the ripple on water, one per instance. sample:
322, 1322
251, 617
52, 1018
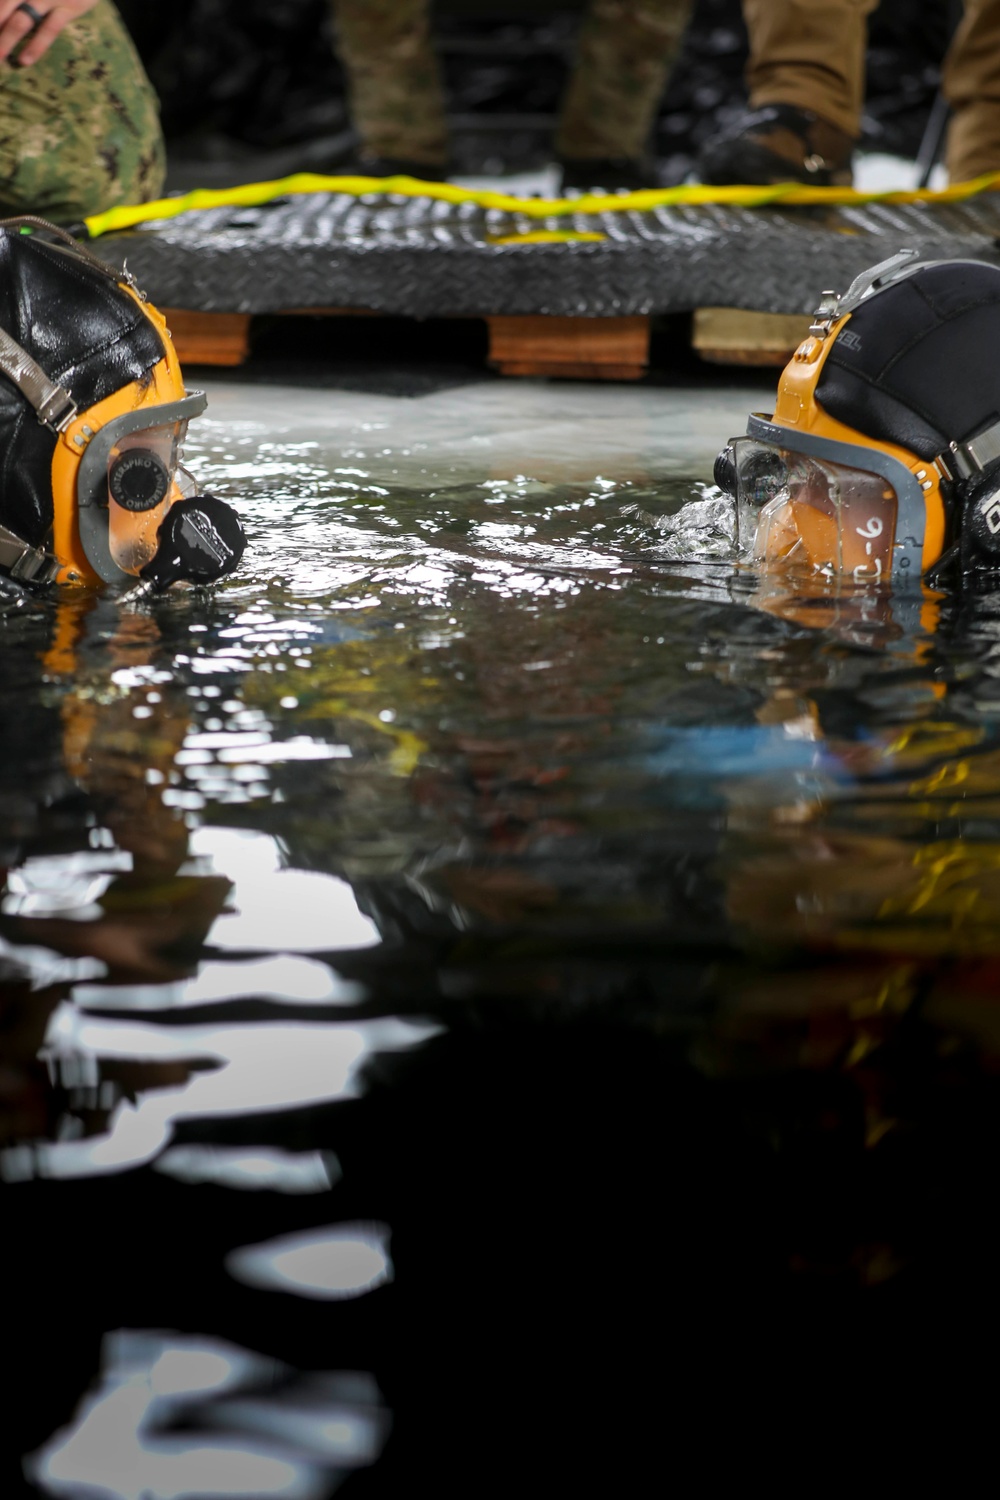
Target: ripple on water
466, 771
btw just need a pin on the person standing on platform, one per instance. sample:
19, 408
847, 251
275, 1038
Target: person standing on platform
625, 52
971, 85
79, 121
806, 76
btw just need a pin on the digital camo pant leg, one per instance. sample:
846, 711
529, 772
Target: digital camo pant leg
625, 52
80, 128
393, 79
972, 86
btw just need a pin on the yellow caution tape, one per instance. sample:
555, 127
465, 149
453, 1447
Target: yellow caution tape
546, 237
787, 194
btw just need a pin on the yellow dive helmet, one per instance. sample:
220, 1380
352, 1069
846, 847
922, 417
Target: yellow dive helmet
93, 412
882, 457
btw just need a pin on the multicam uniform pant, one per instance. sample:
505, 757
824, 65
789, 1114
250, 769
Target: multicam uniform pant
80, 128
624, 55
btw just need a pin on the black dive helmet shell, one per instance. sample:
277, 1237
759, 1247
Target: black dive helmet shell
917, 365
75, 332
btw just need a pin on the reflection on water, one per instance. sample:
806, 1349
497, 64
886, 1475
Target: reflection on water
261, 1167
490, 871
253, 1428
189, 1072
344, 1262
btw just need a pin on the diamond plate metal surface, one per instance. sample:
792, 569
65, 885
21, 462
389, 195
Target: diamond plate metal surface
420, 257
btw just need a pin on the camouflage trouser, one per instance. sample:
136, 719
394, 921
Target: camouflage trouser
80, 129
624, 56
625, 52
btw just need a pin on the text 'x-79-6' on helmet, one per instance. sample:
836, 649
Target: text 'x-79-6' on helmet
93, 412
882, 457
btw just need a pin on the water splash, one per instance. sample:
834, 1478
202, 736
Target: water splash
701, 529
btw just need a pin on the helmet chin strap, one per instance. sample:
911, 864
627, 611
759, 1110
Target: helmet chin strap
26, 563
52, 403
55, 409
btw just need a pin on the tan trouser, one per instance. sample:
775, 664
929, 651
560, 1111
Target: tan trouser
624, 56
972, 87
811, 53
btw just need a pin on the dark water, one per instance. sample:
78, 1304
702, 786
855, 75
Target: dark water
489, 1001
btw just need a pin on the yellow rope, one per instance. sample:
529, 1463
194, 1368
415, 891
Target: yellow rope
790, 194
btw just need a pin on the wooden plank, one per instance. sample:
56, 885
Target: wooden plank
737, 336
202, 338
573, 348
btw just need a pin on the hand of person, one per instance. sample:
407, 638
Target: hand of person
41, 22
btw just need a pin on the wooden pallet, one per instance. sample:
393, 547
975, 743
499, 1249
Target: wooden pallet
736, 336
209, 338
570, 348
574, 348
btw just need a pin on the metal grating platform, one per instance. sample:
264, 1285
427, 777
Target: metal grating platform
421, 257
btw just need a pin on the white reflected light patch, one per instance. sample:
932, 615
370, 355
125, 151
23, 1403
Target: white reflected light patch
65, 885
286, 977
129, 997
328, 1265
110, 1451
295, 909
260, 1068
41, 967
304, 1435
274, 907
263, 1167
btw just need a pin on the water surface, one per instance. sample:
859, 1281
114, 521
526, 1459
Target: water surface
491, 975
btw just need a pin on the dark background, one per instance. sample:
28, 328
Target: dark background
244, 79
